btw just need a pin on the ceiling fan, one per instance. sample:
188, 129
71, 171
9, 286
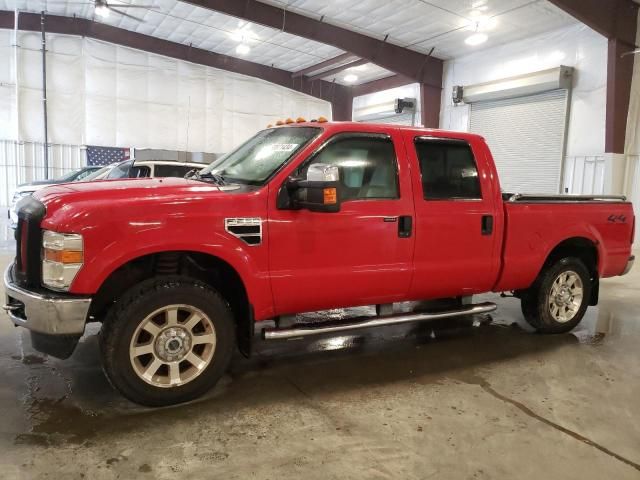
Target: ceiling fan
103, 8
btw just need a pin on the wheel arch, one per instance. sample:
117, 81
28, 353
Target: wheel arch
206, 267
587, 251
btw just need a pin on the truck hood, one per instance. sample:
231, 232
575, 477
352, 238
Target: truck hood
128, 188
71, 204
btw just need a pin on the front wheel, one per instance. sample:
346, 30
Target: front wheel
558, 299
167, 341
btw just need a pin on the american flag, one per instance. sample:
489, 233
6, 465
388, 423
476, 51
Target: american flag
102, 156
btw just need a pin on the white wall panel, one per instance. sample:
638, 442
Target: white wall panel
24, 162
633, 188
584, 175
632, 142
103, 94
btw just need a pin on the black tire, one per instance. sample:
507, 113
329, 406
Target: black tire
536, 301
138, 303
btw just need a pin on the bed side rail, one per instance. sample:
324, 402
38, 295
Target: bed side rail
525, 197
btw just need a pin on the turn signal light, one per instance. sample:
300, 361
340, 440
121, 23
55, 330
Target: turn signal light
330, 196
322, 120
63, 256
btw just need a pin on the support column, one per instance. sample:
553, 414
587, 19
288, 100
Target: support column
619, 75
430, 98
342, 105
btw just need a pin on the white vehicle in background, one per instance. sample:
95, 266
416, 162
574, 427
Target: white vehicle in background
126, 169
145, 169
25, 189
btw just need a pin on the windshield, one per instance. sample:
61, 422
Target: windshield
258, 158
97, 173
69, 176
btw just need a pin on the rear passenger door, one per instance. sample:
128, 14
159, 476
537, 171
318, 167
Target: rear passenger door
455, 235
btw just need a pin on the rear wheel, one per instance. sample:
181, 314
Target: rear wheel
558, 299
167, 340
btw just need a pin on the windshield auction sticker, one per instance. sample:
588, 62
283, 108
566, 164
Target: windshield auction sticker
283, 147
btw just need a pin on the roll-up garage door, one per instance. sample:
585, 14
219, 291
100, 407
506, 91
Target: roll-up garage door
526, 136
389, 117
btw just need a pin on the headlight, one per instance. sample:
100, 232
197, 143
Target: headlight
19, 195
62, 256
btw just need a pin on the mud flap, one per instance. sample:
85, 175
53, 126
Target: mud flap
59, 346
595, 291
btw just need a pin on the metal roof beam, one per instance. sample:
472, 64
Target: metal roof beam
417, 66
611, 18
330, 63
335, 71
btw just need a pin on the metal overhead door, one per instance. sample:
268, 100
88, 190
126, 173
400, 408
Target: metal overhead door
408, 118
526, 136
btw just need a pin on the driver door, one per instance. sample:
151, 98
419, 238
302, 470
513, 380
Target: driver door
360, 255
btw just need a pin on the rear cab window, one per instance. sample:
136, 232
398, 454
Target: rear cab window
448, 169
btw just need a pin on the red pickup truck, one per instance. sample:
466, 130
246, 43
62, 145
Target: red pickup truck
302, 217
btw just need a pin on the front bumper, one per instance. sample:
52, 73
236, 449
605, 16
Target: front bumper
45, 312
629, 266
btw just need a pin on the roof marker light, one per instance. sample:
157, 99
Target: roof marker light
279, 122
289, 121
322, 120
300, 120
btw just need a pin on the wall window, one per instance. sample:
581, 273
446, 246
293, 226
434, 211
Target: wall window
367, 166
448, 170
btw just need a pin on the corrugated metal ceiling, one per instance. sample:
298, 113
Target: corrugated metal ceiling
437, 26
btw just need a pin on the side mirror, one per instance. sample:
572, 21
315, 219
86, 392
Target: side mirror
320, 192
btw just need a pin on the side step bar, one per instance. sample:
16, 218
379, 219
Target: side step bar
305, 331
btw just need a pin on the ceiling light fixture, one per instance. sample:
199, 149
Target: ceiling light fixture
351, 78
243, 49
102, 11
476, 39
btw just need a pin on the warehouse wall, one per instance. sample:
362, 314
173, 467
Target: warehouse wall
107, 95
103, 94
632, 141
576, 46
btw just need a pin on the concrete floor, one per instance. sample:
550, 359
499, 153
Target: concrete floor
453, 400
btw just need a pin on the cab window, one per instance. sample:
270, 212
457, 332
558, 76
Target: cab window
448, 169
367, 165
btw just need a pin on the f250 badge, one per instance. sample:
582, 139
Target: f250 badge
617, 218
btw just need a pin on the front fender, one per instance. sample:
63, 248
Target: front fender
102, 258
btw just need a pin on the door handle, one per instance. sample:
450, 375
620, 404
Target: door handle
405, 226
487, 225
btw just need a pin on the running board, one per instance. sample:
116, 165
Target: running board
305, 331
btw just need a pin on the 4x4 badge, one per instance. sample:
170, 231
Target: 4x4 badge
617, 218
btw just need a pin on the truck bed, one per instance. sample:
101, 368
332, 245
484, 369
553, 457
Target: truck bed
536, 224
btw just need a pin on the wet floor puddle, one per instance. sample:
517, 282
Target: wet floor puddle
87, 406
